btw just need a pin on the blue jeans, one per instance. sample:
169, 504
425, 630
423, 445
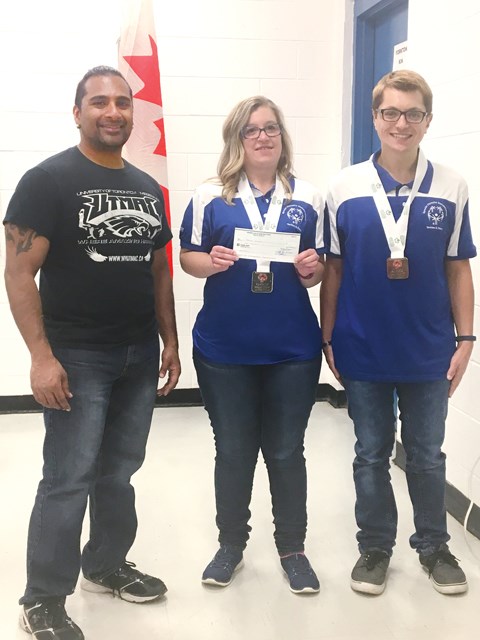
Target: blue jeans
91, 453
423, 411
253, 407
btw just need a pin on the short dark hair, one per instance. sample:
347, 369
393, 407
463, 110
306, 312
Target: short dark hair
96, 71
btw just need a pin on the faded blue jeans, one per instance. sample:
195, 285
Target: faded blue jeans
253, 408
91, 452
423, 411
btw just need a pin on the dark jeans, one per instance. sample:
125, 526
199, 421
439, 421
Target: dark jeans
423, 411
91, 451
253, 407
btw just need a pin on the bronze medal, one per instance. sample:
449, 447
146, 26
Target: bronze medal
397, 268
262, 282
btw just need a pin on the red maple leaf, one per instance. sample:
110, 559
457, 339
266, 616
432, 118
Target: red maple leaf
161, 148
147, 69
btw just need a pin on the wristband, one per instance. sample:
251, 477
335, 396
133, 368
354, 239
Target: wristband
327, 343
466, 338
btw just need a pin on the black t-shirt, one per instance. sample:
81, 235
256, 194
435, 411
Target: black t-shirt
96, 284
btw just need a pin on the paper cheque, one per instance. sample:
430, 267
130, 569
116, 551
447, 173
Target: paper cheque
266, 245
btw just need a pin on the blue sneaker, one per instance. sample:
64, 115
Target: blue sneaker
300, 574
220, 570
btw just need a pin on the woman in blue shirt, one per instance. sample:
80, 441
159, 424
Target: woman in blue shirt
256, 340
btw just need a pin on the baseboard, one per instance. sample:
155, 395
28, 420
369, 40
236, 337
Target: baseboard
177, 398
457, 503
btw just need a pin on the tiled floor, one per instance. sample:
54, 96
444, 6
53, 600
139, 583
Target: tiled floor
177, 537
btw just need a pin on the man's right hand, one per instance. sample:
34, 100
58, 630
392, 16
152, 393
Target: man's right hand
49, 383
328, 353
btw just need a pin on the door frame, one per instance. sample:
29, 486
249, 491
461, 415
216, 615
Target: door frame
365, 14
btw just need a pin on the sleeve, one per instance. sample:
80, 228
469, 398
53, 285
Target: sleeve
195, 230
331, 231
35, 203
461, 245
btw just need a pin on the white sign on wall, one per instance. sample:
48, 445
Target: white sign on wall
400, 54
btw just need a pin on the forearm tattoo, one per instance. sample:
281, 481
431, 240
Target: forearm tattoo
21, 237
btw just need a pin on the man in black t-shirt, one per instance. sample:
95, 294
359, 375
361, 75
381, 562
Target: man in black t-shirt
94, 226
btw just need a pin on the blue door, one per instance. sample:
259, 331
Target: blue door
379, 26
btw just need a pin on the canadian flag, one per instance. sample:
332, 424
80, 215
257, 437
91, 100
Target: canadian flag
138, 62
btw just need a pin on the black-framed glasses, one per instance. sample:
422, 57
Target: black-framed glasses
250, 131
412, 116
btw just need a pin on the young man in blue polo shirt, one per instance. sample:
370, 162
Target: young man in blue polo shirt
397, 317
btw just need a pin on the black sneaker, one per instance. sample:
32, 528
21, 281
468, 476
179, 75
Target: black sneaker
219, 572
300, 574
48, 620
444, 572
127, 583
369, 575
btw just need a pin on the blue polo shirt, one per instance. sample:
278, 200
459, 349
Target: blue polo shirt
235, 325
396, 330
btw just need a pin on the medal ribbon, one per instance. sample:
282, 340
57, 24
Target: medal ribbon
253, 212
395, 231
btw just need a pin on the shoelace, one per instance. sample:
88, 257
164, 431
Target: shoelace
53, 612
124, 577
443, 557
224, 559
126, 570
372, 558
301, 565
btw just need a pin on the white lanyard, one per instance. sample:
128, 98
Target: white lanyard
395, 231
253, 212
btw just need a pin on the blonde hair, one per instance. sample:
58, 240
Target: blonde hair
402, 80
230, 163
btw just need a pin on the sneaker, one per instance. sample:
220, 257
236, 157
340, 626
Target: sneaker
127, 583
369, 575
48, 620
220, 570
443, 570
300, 574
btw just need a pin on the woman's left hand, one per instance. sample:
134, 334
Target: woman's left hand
306, 263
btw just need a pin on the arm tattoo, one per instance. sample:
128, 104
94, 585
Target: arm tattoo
22, 237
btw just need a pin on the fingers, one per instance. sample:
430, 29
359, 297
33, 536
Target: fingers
50, 387
328, 353
52, 399
171, 383
222, 257
458, 366
306, 262
171, 368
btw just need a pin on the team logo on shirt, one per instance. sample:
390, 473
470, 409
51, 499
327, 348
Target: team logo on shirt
114, 217
436, 213
296, 216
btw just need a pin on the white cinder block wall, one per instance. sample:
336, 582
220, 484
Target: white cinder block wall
212, 54
442, 46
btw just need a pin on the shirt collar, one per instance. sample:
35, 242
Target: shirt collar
389, 182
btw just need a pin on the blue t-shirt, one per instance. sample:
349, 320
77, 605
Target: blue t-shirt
396, 330
235, 325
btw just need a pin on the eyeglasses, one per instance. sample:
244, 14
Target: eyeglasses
413, 116
251, 131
